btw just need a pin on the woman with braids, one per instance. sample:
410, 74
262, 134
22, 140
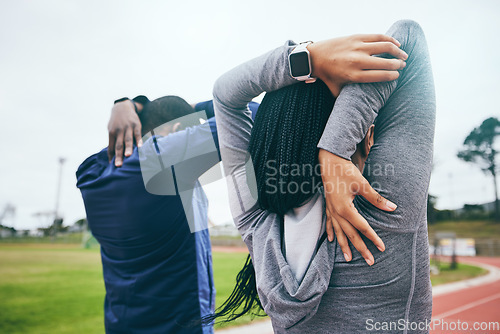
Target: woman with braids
307, 281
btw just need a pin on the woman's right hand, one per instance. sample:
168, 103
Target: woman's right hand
344, 60
342, 181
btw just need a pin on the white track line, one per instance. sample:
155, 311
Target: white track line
492, 276
466, 307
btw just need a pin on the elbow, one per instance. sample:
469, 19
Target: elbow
228, 91
220, 89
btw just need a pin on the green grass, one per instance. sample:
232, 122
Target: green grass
468, 229
226, 266
463, 271
63, 238
58, 288
50, 289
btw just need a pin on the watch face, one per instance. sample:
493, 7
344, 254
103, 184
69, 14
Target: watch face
299, 64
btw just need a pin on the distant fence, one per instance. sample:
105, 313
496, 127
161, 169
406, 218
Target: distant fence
488, 247
484, 247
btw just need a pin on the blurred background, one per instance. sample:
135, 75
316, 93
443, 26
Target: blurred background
63, 63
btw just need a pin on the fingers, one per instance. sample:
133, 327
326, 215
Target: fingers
376, 76
111, 146
377, 63
332, 226
342, 240
378, 38
119, 149
329, 226
355, 239
375, 198
129, 142
353, 217
137, 134
385, 47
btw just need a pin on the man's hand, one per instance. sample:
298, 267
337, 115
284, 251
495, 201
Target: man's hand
343, 60
124, 126
342, 181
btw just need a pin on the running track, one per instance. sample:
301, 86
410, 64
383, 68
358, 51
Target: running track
473, 304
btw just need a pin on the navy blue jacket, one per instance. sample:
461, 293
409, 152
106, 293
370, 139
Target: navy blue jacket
157, 273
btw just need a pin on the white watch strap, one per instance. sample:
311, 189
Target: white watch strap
302, 47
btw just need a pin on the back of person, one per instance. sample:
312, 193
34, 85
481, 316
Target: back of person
338, 294
394, 295
157, 273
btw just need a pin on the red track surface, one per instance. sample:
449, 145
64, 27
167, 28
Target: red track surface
457, 311
472, 305
229, 249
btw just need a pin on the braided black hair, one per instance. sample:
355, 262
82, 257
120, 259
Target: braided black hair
286, 131
283, 148
243, 300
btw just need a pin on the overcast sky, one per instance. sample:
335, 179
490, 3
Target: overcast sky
62, 63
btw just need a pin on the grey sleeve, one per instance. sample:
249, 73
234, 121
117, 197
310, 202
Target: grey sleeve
232, 93
287, 301
399, 164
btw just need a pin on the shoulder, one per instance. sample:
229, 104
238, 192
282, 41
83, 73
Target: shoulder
97, 167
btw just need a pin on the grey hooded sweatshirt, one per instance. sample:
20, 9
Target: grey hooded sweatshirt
335, 296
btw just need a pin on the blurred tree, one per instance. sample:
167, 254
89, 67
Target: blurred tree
479, 149
431, 209
475, 212
81, 222
58, 224
445, 215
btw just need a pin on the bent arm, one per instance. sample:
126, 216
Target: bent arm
399, 164
285, 300
173, 163
232, 93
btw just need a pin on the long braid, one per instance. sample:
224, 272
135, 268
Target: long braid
286, 130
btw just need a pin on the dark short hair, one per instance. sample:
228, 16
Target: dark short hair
163, 110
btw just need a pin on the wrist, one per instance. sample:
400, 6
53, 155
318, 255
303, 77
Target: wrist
137, 107
299, 60
140, 102
318, 54
333, 158
315, 60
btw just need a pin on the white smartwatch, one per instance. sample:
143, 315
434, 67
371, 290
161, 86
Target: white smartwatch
299, 61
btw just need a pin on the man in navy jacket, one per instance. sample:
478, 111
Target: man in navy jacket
157, 265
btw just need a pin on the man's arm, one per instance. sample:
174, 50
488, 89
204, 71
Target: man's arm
208, 106
124, 126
